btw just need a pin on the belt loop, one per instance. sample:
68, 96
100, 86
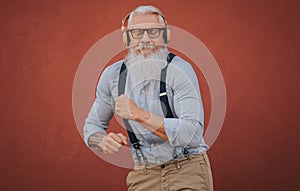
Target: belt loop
204, 155
145, 167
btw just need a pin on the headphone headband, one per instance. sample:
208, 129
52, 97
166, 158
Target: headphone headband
125, 19
128, 15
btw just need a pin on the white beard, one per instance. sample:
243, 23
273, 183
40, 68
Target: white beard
142, 68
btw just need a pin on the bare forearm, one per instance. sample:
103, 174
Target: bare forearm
95, 140
153, 123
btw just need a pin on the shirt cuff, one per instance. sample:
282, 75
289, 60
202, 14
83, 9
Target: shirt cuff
171, 126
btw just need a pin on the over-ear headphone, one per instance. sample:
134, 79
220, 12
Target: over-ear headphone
126, 37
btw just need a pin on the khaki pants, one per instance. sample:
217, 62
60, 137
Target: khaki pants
194, 174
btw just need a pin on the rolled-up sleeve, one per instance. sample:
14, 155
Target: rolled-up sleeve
101, 111
187, 128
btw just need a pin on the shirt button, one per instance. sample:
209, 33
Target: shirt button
162, 166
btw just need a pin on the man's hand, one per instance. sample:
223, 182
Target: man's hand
109, 144
126, 108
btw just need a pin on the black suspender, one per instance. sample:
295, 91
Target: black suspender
163, 92
121, 90
163, 98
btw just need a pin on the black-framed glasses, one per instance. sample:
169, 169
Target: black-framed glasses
139, 33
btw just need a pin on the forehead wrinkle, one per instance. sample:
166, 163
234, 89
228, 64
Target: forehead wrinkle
146, 26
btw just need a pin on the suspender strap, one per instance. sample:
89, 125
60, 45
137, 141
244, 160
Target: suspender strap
163, 93
170, 57
121, 90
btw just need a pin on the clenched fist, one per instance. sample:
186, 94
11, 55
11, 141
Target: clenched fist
126, 108
109, 144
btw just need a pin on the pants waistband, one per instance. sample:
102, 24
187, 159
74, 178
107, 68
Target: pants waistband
182, 161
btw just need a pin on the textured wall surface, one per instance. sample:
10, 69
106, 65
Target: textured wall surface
256, 44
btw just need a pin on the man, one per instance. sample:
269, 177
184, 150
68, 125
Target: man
167, 146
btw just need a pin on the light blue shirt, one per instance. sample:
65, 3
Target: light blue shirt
185, 130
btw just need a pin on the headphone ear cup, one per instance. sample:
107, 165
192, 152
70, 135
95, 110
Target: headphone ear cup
168, 35
124, 38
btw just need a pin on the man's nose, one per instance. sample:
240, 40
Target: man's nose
145, 37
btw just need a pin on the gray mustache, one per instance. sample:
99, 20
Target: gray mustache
145, 46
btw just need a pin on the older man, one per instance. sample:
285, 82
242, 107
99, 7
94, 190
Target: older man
158, 96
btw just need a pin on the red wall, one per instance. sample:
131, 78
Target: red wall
256, 44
